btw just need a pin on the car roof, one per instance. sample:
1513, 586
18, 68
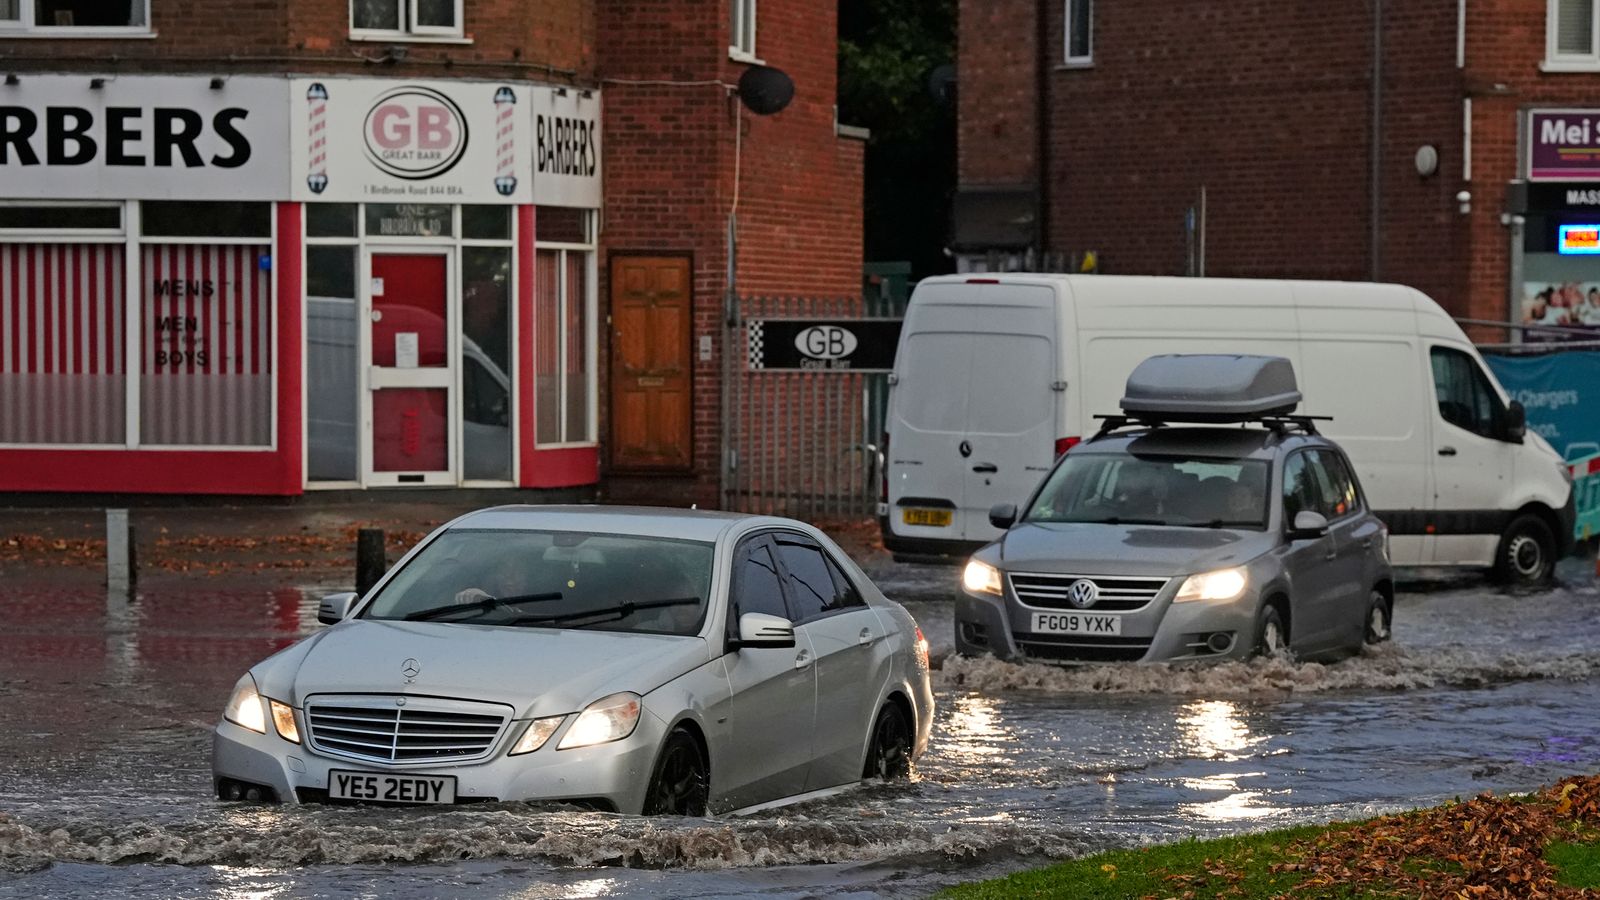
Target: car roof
1225, 443
686, 524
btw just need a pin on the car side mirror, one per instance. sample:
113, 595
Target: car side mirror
1308, 525
1516, 427
1003, 515
759, 630
335, 608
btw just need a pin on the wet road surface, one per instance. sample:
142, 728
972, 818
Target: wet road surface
106, 711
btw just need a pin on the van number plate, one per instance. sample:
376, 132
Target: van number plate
938, 518
1076, 623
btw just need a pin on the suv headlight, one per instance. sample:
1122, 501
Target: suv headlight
1223, 584
981, 578
245, 708
605, 720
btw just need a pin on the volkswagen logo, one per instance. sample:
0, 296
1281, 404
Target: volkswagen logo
1083, 593
411, 668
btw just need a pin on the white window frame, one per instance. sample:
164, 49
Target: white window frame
1086, 59
409, 30
27, 25
743, 21
1554, 60
591, 334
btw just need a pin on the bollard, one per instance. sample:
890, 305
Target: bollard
371, 560
122, 570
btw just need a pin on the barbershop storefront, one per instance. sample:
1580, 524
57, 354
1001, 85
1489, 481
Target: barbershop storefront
267, 285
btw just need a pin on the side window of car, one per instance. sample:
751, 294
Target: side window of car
845, 593
1466, 399
1327, 496
1342, 498
1299, 487
756, 585
811, 586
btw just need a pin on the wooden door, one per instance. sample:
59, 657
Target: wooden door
651, 366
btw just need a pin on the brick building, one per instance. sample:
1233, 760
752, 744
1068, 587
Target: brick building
1408, 141
284, 246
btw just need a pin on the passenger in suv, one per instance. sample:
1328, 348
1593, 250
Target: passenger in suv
1239, 531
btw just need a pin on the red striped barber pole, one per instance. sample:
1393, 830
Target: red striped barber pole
206, 376
62, 373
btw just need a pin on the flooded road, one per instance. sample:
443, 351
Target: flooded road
106, 711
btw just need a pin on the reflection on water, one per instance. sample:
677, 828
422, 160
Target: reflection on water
974, 729
589, 887
1213, 729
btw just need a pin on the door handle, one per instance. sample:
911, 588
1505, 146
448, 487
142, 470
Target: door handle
1366, 544
1331, 554
866, 636
802, 660
1447, 451
986, 467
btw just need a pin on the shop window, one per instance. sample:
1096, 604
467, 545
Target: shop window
742, 40
61, 217
63, 376
395, 18
563, 225
563, 328
486, 368
208, 220
1570, 39
1079, 37
206, 345
390, 220
332, 363
90, 18
486, 223
330, 220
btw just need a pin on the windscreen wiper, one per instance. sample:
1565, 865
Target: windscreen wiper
480, 606
611, 613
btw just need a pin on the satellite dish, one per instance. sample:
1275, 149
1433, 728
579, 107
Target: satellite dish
942, 84
765, 90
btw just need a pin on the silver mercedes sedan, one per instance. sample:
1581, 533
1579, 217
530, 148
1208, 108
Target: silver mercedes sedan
638, 660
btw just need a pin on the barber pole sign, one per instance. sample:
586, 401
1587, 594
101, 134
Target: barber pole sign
505, 104
317, 137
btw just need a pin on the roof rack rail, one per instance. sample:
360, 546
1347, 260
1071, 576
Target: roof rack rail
1280, 423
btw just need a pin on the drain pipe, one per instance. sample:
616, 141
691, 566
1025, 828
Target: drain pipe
1375, 250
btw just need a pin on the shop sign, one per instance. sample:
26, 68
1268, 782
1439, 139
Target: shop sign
1563, 145
566, 151
409, 142
823, 345
1578, 240
142, 137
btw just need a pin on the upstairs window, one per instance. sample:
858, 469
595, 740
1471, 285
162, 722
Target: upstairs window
742, 39
1570, 39
75, 18
1079, 37
404, 18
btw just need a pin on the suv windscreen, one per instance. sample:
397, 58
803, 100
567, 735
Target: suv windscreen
1185, 491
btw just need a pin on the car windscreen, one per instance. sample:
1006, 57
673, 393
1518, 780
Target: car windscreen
553, 579
1127, 489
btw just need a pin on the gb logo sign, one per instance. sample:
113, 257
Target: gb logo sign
415, 133
825, 342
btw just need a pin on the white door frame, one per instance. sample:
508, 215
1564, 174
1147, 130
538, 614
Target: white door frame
447, 378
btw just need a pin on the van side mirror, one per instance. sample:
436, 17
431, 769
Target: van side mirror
335, 608
1308, 526
759, 630
1516, 427
1003, 515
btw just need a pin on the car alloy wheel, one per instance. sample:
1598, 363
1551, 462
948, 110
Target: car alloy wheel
679, 786
1379, 619
890, 755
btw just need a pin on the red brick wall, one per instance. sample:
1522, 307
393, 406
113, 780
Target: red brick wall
997, 93
669, 171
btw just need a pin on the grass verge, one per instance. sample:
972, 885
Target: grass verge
1544, 845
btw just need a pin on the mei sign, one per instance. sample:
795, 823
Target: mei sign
1564, 145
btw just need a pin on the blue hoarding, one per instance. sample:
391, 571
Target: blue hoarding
1561, 392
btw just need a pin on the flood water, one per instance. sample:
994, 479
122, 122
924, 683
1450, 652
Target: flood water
106, 711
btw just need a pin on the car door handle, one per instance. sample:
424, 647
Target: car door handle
985, 467
1366, 544
1447, 451
802, 660
866, 636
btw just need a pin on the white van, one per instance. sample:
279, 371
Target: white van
996, 375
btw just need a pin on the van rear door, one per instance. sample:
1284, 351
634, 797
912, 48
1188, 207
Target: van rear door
973, 420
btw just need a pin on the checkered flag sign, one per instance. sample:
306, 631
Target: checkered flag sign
756, 343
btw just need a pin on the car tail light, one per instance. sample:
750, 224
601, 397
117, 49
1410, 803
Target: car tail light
921, 648
1065, 444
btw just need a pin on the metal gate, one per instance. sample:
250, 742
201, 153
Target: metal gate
803, 444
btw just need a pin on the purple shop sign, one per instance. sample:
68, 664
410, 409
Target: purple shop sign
1564, 145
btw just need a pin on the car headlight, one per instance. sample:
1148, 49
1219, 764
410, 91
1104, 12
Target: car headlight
539, 731
981, 578
1223, 584
607, 719
283, 720
245, 708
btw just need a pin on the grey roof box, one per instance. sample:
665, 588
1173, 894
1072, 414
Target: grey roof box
1210, 388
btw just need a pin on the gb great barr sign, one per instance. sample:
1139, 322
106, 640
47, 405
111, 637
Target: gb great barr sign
1564, 145
143, 138
383, 141
825, 345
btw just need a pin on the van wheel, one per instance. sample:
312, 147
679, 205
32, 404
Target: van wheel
1527, 555
1380, 619
1272, 638
889, 755
680, 785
